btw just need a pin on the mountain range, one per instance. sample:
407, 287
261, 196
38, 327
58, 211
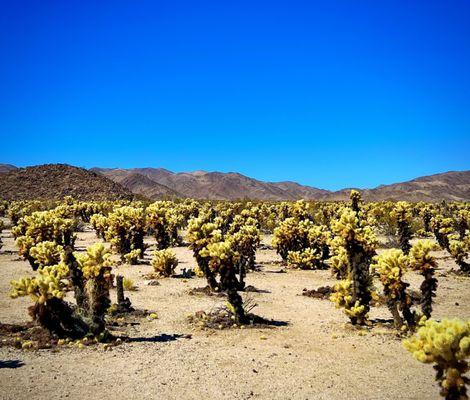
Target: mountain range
57, 180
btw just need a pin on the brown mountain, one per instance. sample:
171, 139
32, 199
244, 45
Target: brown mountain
55, 181
206, 185
6, 168
140, 184
230, 186
454, 185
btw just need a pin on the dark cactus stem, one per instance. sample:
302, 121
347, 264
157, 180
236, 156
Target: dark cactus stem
359, 263
462, 226
208, 273
229, 282
76, 277
464, 266
59, 319
123, 303
404, 235
242, 272
454, 392
393, 307
428, 291
443, 240
237, 303
427, 221
98, 291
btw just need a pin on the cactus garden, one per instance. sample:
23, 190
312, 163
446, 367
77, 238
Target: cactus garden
106, 291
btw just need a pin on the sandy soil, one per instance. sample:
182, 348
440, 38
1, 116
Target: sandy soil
316, 356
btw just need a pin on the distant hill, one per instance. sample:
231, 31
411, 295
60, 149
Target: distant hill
55, 181
140, 184
6, 168
232, 186
207, 185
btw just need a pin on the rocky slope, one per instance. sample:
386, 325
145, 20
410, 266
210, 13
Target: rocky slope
55, 181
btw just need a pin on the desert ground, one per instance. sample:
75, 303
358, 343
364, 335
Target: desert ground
314, 353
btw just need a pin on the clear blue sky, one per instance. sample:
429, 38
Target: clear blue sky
327, 93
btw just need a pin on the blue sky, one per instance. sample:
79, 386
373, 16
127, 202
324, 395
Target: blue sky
330, 93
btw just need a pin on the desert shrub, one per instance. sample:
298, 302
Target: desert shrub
445, 344
164, 262
128, 284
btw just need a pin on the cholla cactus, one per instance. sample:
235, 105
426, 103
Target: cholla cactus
50, 283
445, 344
343, 298
304, 259
463, 223
99, 223
356, 200
339, 261
201, 233
126, 230
459, 250
359, 242
45, 253
164, 262
133, 256
96, 266
402, 215
44, 226
426, 214
158, 222
222, 260
422, 261
302, 237
390, 266
442, 228
291, 235
47, 291
245, 239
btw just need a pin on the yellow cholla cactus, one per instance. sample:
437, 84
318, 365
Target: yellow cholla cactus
342, 298
95, 261
420, 255
447, 345
133, 256
350, 227
164, 262
305, 259
391, 266
50, 282
46, 253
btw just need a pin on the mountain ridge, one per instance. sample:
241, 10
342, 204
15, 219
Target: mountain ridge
55, 180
